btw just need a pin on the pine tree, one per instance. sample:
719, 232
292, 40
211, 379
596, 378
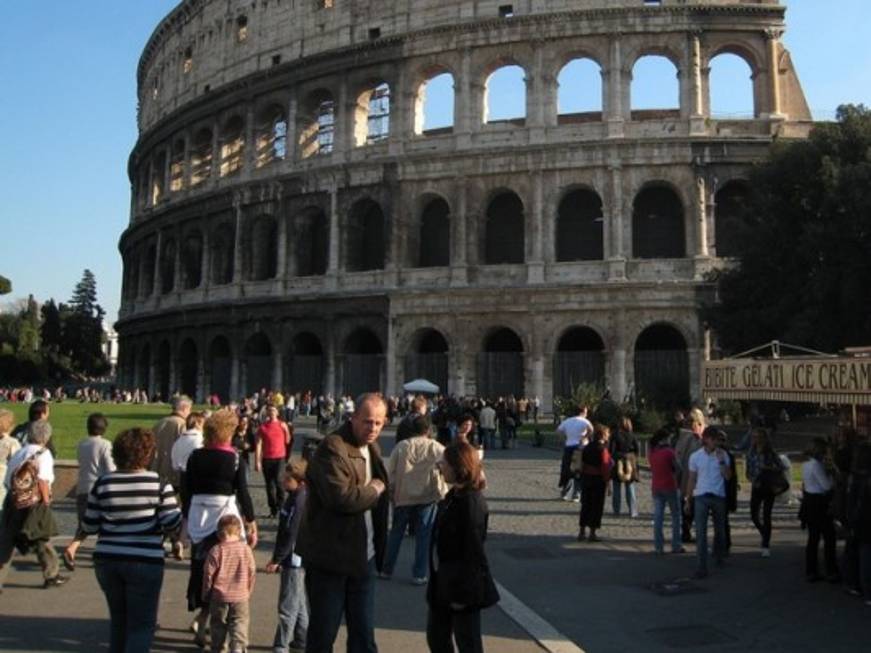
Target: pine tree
83, 329
84, 300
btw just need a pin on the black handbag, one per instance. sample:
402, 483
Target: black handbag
771, 480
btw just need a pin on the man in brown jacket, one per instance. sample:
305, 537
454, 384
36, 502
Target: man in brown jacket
344, 531
166, 432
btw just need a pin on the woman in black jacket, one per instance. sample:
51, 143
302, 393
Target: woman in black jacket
460, 583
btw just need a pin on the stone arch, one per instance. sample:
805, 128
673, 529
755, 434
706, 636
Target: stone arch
222, 254
580, 226
188, 368
305, 364
167, 266
434, 233
201, 156
730, 217
658, 229
270, 135
505, 86
372, 114
192, 259
163, 367
501, 364
232, 145
262, 263
726, 99
220, 368
434, 102
364, 237
580, 90
312, 242
362, 362
316, 123
257, 359
579, 358
661, 363
427, 357
504, 229
655, 88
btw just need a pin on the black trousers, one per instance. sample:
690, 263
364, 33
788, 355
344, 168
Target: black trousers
819, 525
592, 501
272, 476
445, 626
762, 499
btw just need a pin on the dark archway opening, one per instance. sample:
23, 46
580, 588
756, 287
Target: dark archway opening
662, 367
258, 363
579, 227
189, 368
435, 235
428, 359
730, 218
365, 237
220, 369
312, 243
504, 237
305, 364
579, 359
500, 365
362, 363
658, 224
164, 371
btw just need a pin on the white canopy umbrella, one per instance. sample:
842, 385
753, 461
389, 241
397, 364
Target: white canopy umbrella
422, 386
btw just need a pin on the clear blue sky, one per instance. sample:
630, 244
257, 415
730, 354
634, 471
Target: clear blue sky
68, 123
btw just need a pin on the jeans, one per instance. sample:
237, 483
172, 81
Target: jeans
717, 507
444, 626
660, 500
332, 595
422, 516
132, 592
272, 468
631, 504
488, 438
765, 500
292, 626
229, 621
565, 473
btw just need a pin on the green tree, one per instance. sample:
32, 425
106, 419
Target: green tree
5, 285
28, 328
82, 333
805, 260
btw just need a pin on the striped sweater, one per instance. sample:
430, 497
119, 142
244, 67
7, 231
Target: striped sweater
130, 513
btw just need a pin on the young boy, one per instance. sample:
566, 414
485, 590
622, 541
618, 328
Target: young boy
228, 580
292, 607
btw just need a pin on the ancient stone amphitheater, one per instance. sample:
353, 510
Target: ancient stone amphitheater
298, 222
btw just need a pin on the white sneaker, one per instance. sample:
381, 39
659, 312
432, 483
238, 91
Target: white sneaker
766, 553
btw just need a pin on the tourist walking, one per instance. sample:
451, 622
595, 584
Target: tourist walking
190, 440
487, 426
595, 472
273, 444
94, 455
689, 440
663, 484
215, 486
460, 584
166, 432
415, 487
8, 447
709, 469
131, 512
624, 452
576, 432
816, 505
766, 476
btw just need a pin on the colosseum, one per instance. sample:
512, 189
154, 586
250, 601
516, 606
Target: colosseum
298, 222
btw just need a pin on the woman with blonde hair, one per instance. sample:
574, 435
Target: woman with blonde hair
215, 486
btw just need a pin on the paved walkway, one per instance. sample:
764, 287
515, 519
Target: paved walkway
612, 596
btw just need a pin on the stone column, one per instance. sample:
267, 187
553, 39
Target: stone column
618, 384
237, 239
695, 364
250, 146
772, 37
701, 224
290, 137
615, 92
343, 138
178, 282
329, 382
281, 273
459, 270
215, 171
167, 163
333, 260
205, 272
186, 171
617, 255
463, 110
537, 387
152, 376
537, 95
155, 289
697, 108
200, 395
535, 227
235, 392
277, 370
390, 383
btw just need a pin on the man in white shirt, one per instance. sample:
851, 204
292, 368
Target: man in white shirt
487, 425
709, 470
577, 431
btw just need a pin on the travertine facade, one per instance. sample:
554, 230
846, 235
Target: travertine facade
293, 224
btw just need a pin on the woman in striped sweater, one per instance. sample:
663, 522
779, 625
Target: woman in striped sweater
131, 514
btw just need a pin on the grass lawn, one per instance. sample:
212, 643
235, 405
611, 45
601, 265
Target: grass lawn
68, 420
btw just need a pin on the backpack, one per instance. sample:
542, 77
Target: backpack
24, 485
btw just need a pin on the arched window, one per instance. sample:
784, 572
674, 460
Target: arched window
263, 251
222, 245
192, 259
220, 368
305, 364
658, 224
167, 266
257, 363
505, 96
271, 136
729, 218
232, 146
365, 245
504, 237
731, 87
362, 363
201, 157
189, 367
435, 234
372, 115
579, 227
580, 92
500, 365
316, 124
434, 105
655, 90
176, 166
312, 243
662, 366
579, 359
428, 358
